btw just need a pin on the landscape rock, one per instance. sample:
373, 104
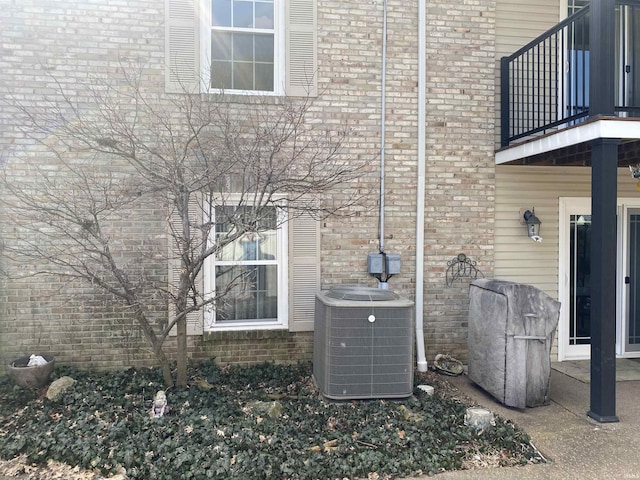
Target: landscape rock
58, 387
410, 416
271, 409
479, 419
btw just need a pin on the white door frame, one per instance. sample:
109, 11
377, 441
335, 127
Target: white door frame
582, 205
568, 206
622, 306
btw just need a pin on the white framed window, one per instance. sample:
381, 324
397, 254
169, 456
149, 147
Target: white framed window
266, 47
243, 46
250, 273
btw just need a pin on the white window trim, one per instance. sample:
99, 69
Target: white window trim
282, 322
278, 54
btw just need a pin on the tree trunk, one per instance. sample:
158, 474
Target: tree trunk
156, 345
166, 368
181, 339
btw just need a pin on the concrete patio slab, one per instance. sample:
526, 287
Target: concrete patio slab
627, 369
576, 446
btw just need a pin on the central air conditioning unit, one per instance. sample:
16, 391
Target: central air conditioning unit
363, 343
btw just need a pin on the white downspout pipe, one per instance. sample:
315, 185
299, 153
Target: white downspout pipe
422, 110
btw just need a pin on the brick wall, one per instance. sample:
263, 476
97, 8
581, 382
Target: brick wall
78, 40
459, 208
74, 41
350, 62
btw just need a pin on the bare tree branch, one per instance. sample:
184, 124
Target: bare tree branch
117, 149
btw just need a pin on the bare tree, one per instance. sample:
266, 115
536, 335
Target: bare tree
112, 151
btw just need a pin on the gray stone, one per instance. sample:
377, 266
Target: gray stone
479, 419
58, 387
511, 329
271, 409
409, 415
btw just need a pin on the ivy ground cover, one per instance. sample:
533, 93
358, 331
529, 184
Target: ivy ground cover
260, 422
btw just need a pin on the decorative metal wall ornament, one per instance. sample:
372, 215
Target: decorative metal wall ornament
461, 267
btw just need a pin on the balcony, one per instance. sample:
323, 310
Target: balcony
544, 90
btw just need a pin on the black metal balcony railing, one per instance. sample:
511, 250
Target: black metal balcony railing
545, 85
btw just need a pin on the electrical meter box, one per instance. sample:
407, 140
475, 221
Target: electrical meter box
392, 263
375, 263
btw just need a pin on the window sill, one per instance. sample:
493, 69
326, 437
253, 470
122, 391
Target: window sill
267, 98
217, 335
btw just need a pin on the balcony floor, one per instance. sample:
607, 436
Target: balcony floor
570, 146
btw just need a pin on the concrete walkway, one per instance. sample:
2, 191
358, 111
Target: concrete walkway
576, 446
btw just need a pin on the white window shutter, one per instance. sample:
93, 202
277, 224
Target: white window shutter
182, 49
304, 273
195, 320
301, 48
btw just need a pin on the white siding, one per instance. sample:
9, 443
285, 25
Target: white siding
520, 21
519, 259
517, 23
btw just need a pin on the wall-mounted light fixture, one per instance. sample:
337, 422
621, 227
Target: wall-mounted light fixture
533, 225
635, 173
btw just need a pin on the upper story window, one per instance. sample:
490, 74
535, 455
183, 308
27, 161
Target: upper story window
243, 45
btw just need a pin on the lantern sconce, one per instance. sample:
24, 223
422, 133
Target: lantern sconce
635, 173
532, 223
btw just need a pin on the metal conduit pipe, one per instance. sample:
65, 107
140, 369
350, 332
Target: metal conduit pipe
383, 102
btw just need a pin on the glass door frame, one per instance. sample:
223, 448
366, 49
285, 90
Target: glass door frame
582, 206
622, 338
568, 206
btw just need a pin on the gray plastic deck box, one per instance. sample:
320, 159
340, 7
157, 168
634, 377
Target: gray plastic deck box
363, 343
511, 329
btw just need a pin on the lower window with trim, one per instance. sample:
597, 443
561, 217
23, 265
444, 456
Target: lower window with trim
248, 274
